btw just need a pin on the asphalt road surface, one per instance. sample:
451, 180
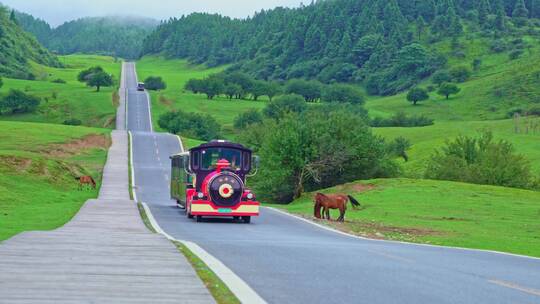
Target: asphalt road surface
286, 260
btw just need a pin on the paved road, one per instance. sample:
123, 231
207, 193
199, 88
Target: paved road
289, 261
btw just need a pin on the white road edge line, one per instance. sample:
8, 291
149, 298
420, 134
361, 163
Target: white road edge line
238, 287
397, 242
181, 143
132, 166
516, 287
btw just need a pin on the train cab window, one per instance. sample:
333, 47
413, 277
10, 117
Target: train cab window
247, 162
211, 156
196, 161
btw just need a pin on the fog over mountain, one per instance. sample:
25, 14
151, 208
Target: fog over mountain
57, 12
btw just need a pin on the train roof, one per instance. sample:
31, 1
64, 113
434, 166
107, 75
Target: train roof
221, 144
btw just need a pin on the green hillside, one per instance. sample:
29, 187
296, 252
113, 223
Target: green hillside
118, 36
69, 100
38, 166
19, 48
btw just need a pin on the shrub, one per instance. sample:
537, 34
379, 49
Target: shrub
58, 80
498, 46
314, 150
193, 125
154, 83
515, 54
480, 160
441, 76
73, 122
1, 82
247, 118
460, 73
342, 93
399, 147
284, 104
401, 119
17, 102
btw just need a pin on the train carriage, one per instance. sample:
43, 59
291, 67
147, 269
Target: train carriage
210, 181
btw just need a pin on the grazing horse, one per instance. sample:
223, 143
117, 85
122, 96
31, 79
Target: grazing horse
333, 201
86, 180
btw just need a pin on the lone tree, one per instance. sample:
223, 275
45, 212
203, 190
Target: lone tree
95, 77
417, 94
99, 80
448, 89
155, 83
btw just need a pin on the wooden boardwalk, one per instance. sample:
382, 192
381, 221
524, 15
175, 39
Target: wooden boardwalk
104, 255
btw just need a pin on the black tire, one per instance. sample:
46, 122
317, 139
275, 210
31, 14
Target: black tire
236, 218
199, 218
188, 214
246, 219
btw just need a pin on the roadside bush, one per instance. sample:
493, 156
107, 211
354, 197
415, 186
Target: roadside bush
283, 105
313, 150
247, 118
154, 83
401, 119
18, 102
59, 80
480, 160
72, 122
193, 125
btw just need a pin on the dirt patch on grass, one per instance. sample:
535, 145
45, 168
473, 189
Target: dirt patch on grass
16, 163
363, 188
167, 102
92, 141
379, 231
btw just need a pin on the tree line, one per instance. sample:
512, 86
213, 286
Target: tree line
383, 44
237, 85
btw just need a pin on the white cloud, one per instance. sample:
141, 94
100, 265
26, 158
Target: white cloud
59, 11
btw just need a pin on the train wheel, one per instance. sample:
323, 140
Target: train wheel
189, 215
246, 219
199, 218
236, 218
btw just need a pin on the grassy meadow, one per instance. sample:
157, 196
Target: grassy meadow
176, 73
38, 166
73, 99
438, 212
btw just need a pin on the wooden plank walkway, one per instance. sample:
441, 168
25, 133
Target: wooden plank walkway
104, 255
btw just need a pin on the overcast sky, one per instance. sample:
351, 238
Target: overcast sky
57, 11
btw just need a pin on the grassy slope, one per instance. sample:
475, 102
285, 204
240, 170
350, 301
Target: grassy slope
425, 139
37, 189
439, 212
74, 99
176, 73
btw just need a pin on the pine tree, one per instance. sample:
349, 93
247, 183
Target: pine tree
454, 27
12, 17
483, 11
520, 10
346, 46
535, 8
500, 20
420, 27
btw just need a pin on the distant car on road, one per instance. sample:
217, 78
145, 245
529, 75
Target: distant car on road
209, 180
140, 86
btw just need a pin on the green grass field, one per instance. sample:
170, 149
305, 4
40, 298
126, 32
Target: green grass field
439, 212
176, 73
38, 166
72, 99
426, 139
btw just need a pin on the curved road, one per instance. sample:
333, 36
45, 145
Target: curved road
286, 260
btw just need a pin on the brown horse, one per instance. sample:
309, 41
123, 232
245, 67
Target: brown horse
86, 180
333, 201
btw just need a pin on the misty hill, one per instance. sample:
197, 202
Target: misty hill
114, 35
386, 45
19, 48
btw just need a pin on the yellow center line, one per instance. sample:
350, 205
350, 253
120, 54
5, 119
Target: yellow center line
528, 290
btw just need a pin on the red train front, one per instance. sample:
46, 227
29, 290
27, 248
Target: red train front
210, 181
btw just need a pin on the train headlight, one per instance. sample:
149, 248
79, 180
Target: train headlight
250, 196
200, 195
